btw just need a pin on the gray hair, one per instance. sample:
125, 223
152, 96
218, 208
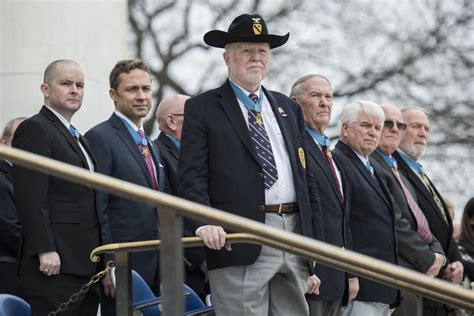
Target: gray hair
352, 111
298, 87
8, 129
414, 107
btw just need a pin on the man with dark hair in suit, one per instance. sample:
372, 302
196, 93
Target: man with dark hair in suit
418, 249
10, 229
170, 116
242, 151
412, 147
123, 151
372, 218
313, 93
60, 224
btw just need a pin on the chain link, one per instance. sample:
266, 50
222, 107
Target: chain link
84, 289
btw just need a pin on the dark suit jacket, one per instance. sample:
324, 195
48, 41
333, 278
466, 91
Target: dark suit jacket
10, 228
441, 230
335, 214
414, 252
218, 165
169, 153
55, 214
372, 221
125, 220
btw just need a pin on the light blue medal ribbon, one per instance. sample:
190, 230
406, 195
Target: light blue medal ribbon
411, 163
322, 140
136, 137
245, 99
391, 162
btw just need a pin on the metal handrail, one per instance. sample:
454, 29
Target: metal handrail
356, 263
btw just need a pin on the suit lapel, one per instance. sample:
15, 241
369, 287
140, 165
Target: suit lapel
229, 104
127, 139
172, 149
414, 179
63, 130
363, 170
318, 156
156, 160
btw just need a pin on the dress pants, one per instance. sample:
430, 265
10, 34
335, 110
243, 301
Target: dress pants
274, 285
324, 308
360, 308
45, 294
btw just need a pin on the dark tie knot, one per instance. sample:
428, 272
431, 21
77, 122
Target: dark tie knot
254, 97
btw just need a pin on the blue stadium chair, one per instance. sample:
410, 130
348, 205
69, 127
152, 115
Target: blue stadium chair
11, 305
145, 301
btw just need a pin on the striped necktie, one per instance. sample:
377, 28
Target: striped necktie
327, 154
145, 151
262, 145
423, 228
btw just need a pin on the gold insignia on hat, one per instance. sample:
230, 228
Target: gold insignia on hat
257, 28
301, 155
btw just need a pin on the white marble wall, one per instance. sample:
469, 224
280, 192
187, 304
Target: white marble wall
34, 33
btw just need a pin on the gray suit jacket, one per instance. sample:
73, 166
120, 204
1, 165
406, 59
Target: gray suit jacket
414, 252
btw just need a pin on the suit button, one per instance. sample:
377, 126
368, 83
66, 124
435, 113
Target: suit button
261, 208
260, 175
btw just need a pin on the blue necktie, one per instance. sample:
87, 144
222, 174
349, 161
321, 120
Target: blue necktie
74, 132
369, 167
263, 148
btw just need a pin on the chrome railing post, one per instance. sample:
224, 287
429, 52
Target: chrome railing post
123, 285
171, 262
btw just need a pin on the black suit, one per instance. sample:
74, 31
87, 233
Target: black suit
218, 165
10, 231
335, 220
372, 221
442, 230
55, 214
194, 277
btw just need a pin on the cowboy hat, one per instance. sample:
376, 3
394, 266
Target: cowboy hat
245, 28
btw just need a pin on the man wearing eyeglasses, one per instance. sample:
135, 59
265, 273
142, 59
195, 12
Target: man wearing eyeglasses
170, 117
418, 249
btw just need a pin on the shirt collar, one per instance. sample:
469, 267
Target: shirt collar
60, 117
127, 120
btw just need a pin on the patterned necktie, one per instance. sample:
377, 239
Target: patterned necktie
328, 156
435, 196
74, 132
423, 228
145, 151
262, 144
369, 167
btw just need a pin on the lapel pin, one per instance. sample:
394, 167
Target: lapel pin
282, 112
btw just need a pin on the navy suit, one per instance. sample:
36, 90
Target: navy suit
218, 165
10, 231
55, 214
335, 220
372, 221
126, 220
194, 256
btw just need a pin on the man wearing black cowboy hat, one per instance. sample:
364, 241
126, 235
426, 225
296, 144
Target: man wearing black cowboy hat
242, 151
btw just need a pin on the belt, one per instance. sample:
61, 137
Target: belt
287, 208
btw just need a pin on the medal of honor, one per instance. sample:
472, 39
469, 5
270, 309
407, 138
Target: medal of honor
258, 119
145, 152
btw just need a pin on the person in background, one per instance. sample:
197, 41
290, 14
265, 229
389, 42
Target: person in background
59, 219
313, 93
466, 242
170, 116
10, 229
